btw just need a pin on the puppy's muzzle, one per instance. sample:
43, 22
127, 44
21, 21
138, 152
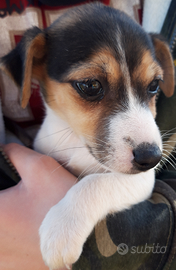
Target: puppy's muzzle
146, 156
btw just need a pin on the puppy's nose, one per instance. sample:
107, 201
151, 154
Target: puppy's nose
146, 156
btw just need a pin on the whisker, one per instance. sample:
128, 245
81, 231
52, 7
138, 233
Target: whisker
169, 161
86, 170
69, 148
60, 165
53, 133
168, 132
169, 137
171, 141
167, 145
170, 154
97, 139
160, 166
90, 168
65, 137
64, 164
51, 151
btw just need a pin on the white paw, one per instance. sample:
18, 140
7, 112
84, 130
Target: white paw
62, 235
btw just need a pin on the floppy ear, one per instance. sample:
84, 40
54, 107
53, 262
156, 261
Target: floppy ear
164, 58
24, 61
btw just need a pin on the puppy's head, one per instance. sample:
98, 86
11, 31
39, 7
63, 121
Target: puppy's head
100, 72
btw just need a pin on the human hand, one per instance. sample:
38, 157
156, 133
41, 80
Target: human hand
24, 206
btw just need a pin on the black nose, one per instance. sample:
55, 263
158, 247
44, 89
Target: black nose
146, 156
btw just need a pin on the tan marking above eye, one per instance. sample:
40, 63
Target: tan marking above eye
148, 69
98, 65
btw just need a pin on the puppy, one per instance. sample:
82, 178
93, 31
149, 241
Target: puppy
99, 74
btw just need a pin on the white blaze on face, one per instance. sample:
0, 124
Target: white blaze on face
129, 129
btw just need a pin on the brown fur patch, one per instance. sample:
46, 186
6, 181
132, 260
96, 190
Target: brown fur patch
148, 69
165, 59
101, 64
35, 50
66, 102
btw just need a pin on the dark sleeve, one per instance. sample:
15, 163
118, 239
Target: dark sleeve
142, 238
8, 174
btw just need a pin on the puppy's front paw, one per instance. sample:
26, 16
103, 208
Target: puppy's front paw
62, 235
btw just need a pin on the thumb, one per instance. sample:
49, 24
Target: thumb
35, 168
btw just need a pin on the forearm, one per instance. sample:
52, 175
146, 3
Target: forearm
23, 207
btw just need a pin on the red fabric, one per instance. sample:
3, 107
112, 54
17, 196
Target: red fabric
9, 6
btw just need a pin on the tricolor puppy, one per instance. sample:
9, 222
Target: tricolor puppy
99, 74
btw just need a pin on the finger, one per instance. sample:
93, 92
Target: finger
34, 167
13, 149
22, 158
20, 155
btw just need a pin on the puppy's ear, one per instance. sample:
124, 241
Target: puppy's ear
164, 58
24, 61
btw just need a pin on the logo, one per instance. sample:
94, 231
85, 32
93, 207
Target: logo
122, 249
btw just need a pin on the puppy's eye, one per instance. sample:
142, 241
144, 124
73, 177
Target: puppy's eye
90, 89
153, 87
